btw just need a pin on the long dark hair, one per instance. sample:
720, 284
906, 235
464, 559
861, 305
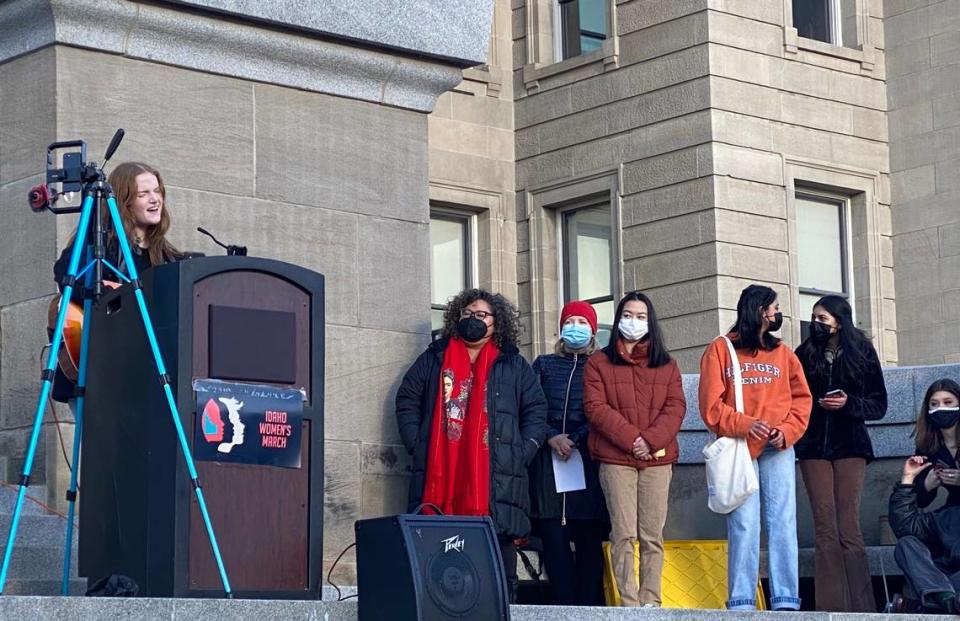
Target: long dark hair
506, 317
752, 301
929, 438
854, 343
657, 352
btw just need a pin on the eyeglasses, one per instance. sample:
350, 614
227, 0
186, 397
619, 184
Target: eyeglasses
481, 315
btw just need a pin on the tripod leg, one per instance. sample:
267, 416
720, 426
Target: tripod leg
165, 381
77, 438
46, 383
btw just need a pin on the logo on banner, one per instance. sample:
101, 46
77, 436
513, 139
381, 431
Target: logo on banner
224, 431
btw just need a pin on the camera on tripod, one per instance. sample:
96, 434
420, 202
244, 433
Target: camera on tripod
75, 172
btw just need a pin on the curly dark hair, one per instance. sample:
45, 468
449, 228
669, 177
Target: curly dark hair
506, 317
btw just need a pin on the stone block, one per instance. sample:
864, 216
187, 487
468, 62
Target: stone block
796, 141
542, 169
488, 111
659, 105
924, 213
668, 201
914, 183
870, 124
695, 330
384, 495
807, 79
816, 113
651, 140
926, 149
667, 235
768, 266
28, 245
684, 298
748, 164
319, 239
768, 12
746, 66
28, 116
360, 395
384, 459
664, 38
463, 169
202, 138
906, 26
746, 34
402, 288
341, 494
58, 442
641, 14
667, 169
911, 57
926, 375
742, 130
857, 152
858, 90
947, 173
543, 106
945, 48
673, 267
751, 230
950, 304
946, 112
944, 18
950, 239
23, 336
750, 197
337, 153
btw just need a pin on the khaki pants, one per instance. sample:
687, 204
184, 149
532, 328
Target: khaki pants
637, 502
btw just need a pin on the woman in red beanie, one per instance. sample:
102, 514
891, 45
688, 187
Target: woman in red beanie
576, 516
633, 397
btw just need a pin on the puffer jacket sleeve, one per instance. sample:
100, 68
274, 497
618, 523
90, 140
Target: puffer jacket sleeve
533, 410
604, 419
871, 404
666, 424
408, 402
907, 520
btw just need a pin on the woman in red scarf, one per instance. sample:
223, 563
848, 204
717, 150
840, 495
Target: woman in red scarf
472, 415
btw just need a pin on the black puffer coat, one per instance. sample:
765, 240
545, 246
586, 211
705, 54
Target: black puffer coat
939, 530
517, 412
841, 434
561, 377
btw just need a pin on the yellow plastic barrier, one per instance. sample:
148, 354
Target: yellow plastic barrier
694, 575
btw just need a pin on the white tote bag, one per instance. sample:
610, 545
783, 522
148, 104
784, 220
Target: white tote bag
731, 477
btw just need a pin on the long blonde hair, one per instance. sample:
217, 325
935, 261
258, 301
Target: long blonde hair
123, 179
561, 347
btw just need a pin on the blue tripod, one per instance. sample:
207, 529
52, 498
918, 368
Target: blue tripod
90, 235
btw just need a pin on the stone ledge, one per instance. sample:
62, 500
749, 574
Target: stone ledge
144, 609
165, 34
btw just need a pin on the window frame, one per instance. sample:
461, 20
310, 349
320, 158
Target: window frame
468, 219
834, 22
846, 250
602, 200
563, 12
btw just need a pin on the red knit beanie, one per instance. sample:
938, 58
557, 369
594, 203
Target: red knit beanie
582, 309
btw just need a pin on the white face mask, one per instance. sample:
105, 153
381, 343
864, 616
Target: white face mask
633, 329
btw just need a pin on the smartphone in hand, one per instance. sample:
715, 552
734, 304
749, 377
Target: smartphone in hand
836, 392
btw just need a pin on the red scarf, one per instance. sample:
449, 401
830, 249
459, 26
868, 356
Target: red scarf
458, 453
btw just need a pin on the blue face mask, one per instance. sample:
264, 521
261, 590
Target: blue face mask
576, 336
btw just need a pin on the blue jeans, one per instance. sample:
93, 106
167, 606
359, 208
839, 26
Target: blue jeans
778, 497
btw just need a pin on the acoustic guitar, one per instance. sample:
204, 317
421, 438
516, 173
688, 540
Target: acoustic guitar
68, 358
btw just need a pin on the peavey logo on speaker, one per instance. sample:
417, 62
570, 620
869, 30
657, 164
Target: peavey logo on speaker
453, 543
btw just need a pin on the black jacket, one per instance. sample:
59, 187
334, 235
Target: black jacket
63, 388
924, 498
841, 434
517, 412
939, 530
561, 377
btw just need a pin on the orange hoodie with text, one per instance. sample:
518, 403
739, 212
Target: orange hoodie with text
774, 391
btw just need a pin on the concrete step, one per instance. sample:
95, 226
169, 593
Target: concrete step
39, 563
8, 500
77, 586
38, 530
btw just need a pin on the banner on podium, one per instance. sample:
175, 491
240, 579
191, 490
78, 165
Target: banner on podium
247, 423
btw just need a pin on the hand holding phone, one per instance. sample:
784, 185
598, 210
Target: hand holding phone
836, 392
833, 399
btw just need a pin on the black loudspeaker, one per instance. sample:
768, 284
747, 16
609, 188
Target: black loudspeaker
430, 568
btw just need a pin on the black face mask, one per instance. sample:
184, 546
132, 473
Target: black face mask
776, 323
820, 332
944, 418
471, 329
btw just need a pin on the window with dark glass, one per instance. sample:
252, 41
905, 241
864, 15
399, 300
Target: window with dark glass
584, 25
818, 19
450, 267
822, 251
587, 256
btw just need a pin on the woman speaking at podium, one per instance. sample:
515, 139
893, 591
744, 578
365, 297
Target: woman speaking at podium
472, 414
141, 201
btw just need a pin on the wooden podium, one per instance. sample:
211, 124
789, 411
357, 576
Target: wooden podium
240, 319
